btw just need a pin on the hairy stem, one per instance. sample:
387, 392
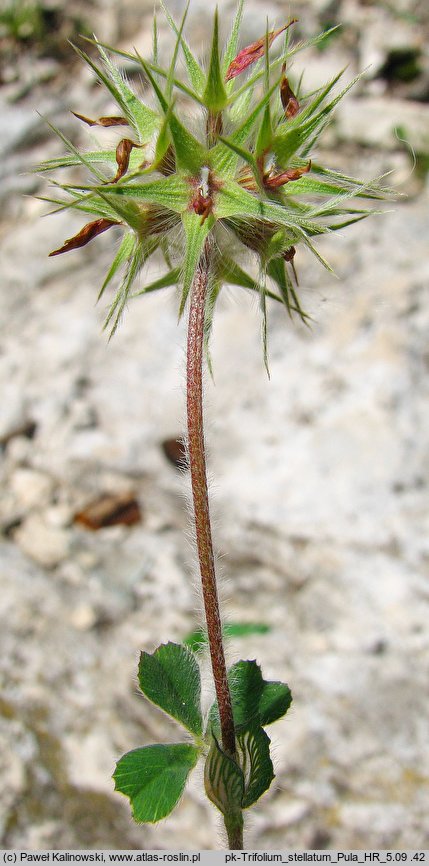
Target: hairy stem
234, 829
214, 127
197, 463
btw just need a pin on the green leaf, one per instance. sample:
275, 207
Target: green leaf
215, 96
372, 188
286, 144
196, 75
123, 254
222, 159
212, 296
154, 777
308, 185
259, 70
330, 207
169, 279
301, 134
296, 221
254, 758
278, 244
333, 227
142, 119
163, 101
80, 157
307, 43
172, 67
244, 629
308, 243
190, 153
87, 204
232, 45
284, 53
68, 160
170, 678
163, 142
197, 640
255, 701
246, 684
232, 273
232, 200
136, 259
245, 155
158, 70
321, 94
277, 270
274, 702
170, 192
155, 40
265, 134
223, 780
128, 211
250, 82
241, 101
196, 233
263, 305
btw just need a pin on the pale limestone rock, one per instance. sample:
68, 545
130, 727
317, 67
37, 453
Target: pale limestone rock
47, 545
372, 121
32, 489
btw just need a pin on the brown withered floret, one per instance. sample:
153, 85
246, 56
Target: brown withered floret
254, 51
125, 146
287, 96
270, 180
202, 202
89, 231
102, 121
289, 254
123, 152
274, 181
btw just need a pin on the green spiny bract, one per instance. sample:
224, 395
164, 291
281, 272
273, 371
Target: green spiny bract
247, 183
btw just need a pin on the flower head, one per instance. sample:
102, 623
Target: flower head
249, 181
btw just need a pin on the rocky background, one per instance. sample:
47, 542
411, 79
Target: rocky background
320, 474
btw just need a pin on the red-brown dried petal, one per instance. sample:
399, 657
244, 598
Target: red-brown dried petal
123, 152
89, 231
288, 98
286, 176
289, 254
253, 52
113, 121
102, 121
202, 205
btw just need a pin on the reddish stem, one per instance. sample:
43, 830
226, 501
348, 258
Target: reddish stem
197, 462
